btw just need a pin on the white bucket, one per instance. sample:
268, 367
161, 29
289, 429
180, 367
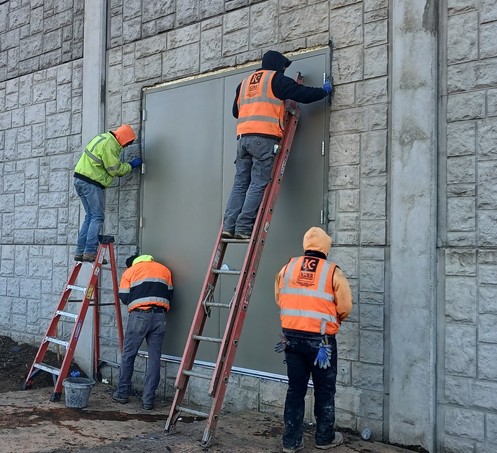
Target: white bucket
77, 391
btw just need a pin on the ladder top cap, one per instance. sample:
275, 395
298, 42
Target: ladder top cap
104, 239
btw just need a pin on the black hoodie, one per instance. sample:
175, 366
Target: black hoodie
284, 87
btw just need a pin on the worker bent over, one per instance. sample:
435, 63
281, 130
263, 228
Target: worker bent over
314, 298
147, 289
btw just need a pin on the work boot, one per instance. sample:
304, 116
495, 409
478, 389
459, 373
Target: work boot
91, 257
227, 234
299, 447
78, 257
147, 407
119, 398
243, 235
338, 440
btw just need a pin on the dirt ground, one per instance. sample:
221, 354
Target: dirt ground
31, 423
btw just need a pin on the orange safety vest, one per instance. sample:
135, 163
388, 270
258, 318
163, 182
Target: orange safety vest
259, 110
146, 283
306, 295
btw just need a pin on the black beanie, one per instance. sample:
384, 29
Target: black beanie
129, 261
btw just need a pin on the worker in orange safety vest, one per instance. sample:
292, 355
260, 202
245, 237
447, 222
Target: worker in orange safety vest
146, 287
314, 297
260, 107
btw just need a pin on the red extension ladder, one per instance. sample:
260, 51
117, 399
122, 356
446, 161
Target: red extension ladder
239, 303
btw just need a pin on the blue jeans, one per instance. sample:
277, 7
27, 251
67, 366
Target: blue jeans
300, 355
93, 201
254, 163
142, 325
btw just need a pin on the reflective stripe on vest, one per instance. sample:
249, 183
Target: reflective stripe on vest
263, 112
307, 314
162, 301
89, 152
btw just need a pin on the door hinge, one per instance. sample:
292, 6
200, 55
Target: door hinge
322, 148
141, 222
144, 115
322, 216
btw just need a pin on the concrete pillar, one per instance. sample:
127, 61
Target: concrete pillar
413, 223
95, 32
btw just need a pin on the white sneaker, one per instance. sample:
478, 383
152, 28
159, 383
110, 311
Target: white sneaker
297, 448
338, 440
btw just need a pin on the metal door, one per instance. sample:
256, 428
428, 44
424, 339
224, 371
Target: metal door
189, 151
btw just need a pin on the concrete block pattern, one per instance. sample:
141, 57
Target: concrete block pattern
153, 42
460, 348
467, 423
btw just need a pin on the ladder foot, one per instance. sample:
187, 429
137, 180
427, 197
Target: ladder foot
207, 438
55, 396
169, 430
170, 427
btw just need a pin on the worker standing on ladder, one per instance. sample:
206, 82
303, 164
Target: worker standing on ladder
97, 167
314, 298
260, 107
146, 287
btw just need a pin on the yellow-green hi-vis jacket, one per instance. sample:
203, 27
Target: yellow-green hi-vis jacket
100, 160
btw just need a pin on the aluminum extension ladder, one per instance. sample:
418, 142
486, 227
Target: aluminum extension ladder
90, 294
239, 303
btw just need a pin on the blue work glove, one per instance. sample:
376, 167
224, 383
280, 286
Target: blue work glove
323, 356
327, 87
136, 162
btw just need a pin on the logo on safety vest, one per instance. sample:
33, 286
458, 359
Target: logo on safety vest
307, 272
256, 78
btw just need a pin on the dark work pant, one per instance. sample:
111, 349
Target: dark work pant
300, 355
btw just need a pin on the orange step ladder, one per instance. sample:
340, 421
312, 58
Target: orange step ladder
90, 294
239, 303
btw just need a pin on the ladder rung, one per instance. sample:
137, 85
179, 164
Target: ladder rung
58, 341
48, 368
192, 412
66, 313
77, 288
215, 304
211, 339
236, 241
219, 271
195, 374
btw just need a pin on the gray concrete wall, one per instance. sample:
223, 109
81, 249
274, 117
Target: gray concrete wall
468, 229
412, 222
41, 45
412, 192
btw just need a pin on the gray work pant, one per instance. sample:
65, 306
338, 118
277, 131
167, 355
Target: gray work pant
142, 325
254, 163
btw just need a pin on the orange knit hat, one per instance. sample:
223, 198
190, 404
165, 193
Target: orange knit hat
125, 134
317, 239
